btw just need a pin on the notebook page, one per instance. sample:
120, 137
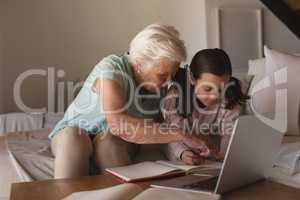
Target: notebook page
141, 170
124, 191
165, 194
180, 165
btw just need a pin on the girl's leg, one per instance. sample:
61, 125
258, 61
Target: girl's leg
72, 149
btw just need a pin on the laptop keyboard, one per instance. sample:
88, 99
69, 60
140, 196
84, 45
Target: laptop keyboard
207, 185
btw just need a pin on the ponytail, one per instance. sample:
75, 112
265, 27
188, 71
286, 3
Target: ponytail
234, 94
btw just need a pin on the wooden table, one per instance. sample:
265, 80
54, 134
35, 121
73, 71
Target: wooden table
58, 189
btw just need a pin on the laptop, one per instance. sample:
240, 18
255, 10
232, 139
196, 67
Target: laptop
252, 149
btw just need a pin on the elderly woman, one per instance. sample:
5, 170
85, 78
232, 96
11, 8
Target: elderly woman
106, 117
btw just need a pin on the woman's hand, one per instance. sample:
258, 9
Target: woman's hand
208, 146
191, 158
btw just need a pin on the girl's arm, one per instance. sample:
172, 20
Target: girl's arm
172, 117
177, 148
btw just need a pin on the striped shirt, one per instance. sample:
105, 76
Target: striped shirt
213, 120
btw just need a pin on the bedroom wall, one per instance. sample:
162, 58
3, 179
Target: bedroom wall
73, 35
190, 19
276, 34
1, 62
1, 74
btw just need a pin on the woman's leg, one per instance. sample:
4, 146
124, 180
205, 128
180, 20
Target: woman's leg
112, 151
72, 149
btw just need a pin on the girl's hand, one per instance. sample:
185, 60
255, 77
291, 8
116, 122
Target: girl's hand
220, 156
191, 158
209, 146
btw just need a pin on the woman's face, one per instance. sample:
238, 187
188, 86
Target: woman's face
209, 88
158, 75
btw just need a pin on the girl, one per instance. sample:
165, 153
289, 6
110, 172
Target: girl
205, 100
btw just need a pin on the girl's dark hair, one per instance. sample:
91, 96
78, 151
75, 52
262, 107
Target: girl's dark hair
214, 61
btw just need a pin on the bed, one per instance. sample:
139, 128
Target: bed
279, 174
32, 141
8, 172
26, 156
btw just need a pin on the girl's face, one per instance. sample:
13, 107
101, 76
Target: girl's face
209, 88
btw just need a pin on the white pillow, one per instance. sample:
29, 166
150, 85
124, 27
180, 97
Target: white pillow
281, 71
259, 97
51, 119
257, 67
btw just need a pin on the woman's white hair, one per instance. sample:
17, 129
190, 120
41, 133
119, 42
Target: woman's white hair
155, 42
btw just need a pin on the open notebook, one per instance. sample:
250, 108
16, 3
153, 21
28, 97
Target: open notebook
130, 191
159, 169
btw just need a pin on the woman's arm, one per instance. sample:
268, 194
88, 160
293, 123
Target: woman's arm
127, 127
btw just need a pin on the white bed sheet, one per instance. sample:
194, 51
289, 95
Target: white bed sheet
280, 175
24, 156
31, 154
8, 171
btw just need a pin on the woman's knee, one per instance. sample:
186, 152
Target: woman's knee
110, 151
72, 140
72, 149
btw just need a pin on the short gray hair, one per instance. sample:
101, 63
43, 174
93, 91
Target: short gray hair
155, 42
